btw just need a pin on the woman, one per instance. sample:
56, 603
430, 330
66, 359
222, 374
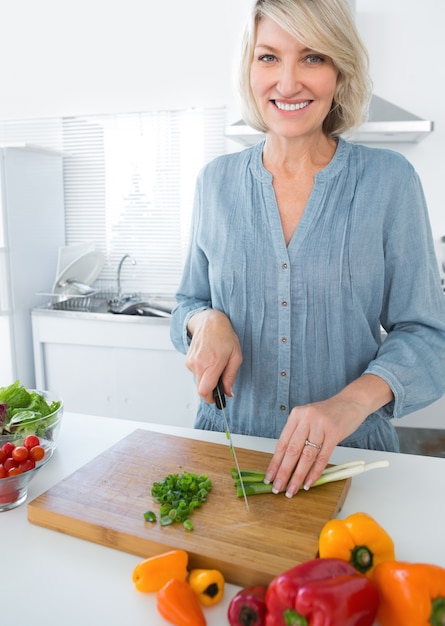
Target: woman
302, 248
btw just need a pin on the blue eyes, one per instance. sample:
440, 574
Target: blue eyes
311, 59
267, 57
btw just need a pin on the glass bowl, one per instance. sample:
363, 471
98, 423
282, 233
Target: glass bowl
14, 489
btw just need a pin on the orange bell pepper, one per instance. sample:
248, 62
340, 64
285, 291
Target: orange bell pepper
410, 593
179, 604
154, 572
358, 539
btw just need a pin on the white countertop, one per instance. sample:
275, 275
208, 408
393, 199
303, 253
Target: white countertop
51, 578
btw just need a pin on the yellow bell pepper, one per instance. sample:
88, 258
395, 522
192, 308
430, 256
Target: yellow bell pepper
208, 584
358, 539
153, 573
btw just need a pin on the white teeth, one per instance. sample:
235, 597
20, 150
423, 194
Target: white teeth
291, 107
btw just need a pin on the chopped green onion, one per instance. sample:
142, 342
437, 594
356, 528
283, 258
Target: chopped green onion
149, 516
179, 495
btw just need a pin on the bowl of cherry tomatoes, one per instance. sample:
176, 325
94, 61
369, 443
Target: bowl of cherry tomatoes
28, 438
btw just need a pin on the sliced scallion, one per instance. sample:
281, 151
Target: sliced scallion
149, 516
178, 496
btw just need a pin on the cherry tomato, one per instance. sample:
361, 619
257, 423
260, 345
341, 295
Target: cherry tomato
7, 448
20, 454
37, 453
14, 471
9, 496
18, 459
9, 463
27, 465
31, 441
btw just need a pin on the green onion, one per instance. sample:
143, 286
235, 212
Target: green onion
248, 476
335, 468
178, 496
253, 481
149, 516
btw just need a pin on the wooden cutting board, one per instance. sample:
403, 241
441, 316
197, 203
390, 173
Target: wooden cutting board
104, 502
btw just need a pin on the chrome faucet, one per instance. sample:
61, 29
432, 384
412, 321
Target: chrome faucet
119, 269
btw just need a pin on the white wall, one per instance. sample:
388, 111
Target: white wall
94, 56
406, 42
62, 57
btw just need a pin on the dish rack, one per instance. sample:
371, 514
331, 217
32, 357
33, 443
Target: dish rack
70, 295
68, 302
75, 303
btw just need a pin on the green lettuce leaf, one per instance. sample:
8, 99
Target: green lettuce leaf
23, 409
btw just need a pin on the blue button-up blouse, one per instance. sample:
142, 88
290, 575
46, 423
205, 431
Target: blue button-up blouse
309, 315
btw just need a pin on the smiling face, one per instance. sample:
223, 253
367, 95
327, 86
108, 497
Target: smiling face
293, 86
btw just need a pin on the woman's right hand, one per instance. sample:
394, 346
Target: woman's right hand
214, 352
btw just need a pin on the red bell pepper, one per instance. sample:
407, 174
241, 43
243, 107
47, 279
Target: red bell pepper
248, 607
321, 592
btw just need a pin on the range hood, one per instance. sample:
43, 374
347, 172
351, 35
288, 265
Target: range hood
387, 123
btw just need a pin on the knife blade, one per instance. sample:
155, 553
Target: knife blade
220, 401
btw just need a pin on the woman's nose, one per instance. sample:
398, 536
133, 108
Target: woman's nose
289, 81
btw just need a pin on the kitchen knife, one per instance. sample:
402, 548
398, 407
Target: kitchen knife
220, 401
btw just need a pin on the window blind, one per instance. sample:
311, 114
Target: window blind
129, 182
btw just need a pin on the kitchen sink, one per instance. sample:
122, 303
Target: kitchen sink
137, 306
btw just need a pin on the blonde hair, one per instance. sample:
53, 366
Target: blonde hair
327, 27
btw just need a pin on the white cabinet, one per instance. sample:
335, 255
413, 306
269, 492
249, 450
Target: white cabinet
113, 366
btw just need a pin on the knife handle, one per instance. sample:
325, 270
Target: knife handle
219, 395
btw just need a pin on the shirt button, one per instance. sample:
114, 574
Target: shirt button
284, 266
283, 339
283, 373
284, 303
283, 407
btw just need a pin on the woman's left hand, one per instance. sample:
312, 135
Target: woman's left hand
312, 431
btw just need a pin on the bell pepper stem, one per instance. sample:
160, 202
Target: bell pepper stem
362, 558
438, 612
292, 618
